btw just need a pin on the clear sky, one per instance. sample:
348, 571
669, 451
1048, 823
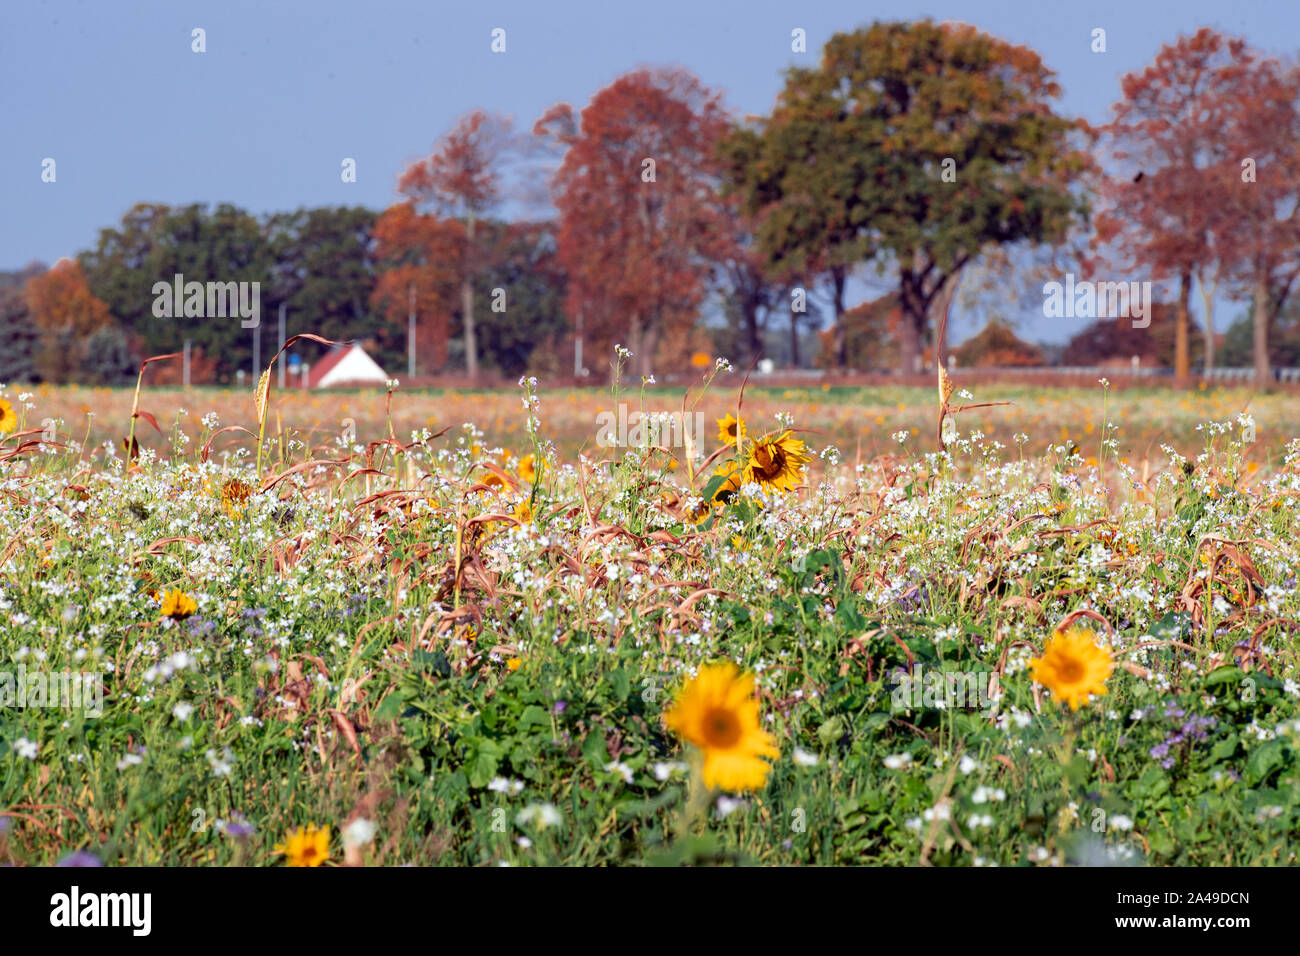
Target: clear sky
111, 90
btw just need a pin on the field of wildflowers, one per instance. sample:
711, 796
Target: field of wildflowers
846, 626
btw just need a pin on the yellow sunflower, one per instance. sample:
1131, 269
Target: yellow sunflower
717, 712
8, 420
777, 462
731, 428
1073, 667
306, 846
734, 476
528, 467
178, 605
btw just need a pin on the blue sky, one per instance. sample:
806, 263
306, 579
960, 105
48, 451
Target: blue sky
287, 88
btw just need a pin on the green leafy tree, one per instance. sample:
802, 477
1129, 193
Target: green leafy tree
916, 145
153, 244
523, 292
18, 331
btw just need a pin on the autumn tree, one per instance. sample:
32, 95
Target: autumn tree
914, 144
640, 216
997, 346
1164, 206
869, 334
462, 180
1262, 237
70, 320
419, 265
1114, 341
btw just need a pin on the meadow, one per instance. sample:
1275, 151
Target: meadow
451, 628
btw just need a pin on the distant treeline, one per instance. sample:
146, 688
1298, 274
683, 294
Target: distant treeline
928, 156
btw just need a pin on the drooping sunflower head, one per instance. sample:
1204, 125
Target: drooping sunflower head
777, 461
178, 605
234, 496
731, 428
8, 419
1074, 666
717, 712
306, 846
733, 477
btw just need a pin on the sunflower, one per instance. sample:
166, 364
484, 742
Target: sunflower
733, 477
523, 512
528, 467
717, 712
777, 462
1073, 667
306, 846
730, 428
8, 420
178, 605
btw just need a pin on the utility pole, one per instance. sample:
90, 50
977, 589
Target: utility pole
280, 373
257, 354
187, 363
410, 335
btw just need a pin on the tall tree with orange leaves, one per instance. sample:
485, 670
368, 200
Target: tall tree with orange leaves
1262, 210
460, 182
1164, 206
69, 318
419, 264
641, 219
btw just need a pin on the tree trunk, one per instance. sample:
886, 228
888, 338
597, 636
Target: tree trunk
1263, 369
1207, 307
794, 339
751, 329
649, 345
467, 301
841, 338
1182, 361
909, 340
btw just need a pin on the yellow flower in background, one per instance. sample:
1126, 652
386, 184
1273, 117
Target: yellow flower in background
514, 663
717, 712
1073, 667
777, 462
729, 429
701, 360
306, 846
8, 420
523, 512
178, 605
528, 467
